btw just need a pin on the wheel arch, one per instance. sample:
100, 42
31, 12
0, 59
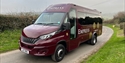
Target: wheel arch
63, 42
95, 34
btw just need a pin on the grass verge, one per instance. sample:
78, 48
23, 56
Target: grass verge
112, 52
9, 40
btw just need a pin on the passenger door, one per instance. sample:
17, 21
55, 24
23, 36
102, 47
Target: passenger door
73, 28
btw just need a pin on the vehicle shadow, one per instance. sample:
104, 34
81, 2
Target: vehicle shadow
37, 59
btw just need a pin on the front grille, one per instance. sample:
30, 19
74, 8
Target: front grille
29, 40
27, 46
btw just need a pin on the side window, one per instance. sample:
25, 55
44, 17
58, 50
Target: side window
72, 13
66, 20
72, 20
87, 18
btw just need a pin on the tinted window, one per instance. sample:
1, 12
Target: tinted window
87, 18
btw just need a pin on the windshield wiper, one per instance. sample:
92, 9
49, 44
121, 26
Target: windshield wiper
41, 23
51, 23
38, 23
47, 23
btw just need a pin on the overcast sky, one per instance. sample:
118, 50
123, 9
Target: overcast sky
104, 6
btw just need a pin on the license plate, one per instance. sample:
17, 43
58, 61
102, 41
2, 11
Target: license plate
24, 50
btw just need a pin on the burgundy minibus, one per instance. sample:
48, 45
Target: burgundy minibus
59, 29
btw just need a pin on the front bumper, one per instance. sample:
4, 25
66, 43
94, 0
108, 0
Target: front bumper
37, 50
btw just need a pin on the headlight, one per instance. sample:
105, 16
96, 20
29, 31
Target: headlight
47, 35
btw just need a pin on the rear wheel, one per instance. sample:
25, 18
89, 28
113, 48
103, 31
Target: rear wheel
93, 40
59, 53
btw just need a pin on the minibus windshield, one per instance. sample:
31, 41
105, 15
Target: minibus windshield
50, 18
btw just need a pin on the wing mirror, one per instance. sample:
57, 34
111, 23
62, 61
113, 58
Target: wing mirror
66, 26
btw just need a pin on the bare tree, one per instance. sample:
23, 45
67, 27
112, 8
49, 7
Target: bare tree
120, 17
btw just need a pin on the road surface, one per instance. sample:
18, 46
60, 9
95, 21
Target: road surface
75, 56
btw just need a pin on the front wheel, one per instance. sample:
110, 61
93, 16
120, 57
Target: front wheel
59, 53
93, 40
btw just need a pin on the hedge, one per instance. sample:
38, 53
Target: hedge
15, 21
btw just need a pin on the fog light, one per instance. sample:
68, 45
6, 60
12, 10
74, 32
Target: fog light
42, 52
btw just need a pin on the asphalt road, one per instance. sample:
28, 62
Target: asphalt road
75, 56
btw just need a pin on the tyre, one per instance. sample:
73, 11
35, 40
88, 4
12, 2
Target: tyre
59, 53
93, 40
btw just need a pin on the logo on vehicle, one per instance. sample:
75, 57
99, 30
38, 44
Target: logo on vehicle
94, 25
98, 25
81, 31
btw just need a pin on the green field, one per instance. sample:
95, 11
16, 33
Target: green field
112, 52
9, 40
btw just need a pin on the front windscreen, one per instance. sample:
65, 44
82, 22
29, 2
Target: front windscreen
50, 18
